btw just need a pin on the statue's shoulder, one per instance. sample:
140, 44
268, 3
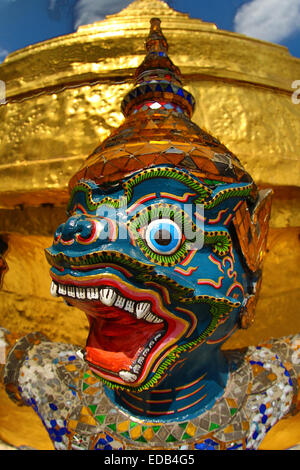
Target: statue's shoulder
17, 351
272, 370
34, 361
55, 381
277, 360
288, 350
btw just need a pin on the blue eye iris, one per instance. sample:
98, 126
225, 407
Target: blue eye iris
163, 236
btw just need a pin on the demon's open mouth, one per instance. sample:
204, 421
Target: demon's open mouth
130, 328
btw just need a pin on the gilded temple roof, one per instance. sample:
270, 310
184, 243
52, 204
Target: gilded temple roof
77, 81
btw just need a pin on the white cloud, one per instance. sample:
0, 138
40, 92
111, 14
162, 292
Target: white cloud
90, 11
3, 53
52, 4
270, 20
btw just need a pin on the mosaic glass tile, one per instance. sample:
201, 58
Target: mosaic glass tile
250, 421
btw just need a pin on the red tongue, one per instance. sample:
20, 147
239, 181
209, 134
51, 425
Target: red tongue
114, 344
107, 360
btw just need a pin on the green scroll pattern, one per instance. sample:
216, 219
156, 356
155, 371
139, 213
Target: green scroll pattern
204, 193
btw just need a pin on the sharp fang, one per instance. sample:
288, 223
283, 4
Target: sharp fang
127, 376
142, 308
108, 296
53, 289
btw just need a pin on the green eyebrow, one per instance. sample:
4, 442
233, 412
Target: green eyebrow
202, 192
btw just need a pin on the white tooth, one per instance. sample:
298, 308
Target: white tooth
53, 289
71, 291
80, 293
142, 308
92, 293
62, 289
129, 306
149, 318
136, 368
157, 320
120, 302
154, 319
146, 351
96, 293
107, 296
127, 376
157, 336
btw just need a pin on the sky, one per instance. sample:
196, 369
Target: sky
25, 22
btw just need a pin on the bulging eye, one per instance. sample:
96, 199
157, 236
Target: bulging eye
163, 236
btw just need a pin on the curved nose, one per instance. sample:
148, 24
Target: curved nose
82, 229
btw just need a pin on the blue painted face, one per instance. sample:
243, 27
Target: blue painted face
153, 263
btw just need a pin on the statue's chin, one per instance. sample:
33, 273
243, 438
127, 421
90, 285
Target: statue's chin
131, 330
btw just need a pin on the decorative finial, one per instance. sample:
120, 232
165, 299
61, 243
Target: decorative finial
158, 82
156, 40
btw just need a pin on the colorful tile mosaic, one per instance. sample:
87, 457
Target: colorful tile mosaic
78, 414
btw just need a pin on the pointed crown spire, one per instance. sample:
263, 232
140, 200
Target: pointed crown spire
158, 130
157, 79
156, 40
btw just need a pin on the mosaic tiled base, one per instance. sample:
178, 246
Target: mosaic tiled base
54, 379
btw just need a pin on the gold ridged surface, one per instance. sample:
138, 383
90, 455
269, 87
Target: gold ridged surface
63, 98
243, 89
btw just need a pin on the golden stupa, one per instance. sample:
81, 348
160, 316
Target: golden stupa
63, 98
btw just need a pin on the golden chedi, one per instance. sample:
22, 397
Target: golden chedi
63, 98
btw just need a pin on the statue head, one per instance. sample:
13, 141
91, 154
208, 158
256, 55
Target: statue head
165, 236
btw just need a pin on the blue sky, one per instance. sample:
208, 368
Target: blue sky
25, 22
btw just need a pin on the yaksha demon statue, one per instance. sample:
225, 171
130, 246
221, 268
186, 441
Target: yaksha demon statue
162, 250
